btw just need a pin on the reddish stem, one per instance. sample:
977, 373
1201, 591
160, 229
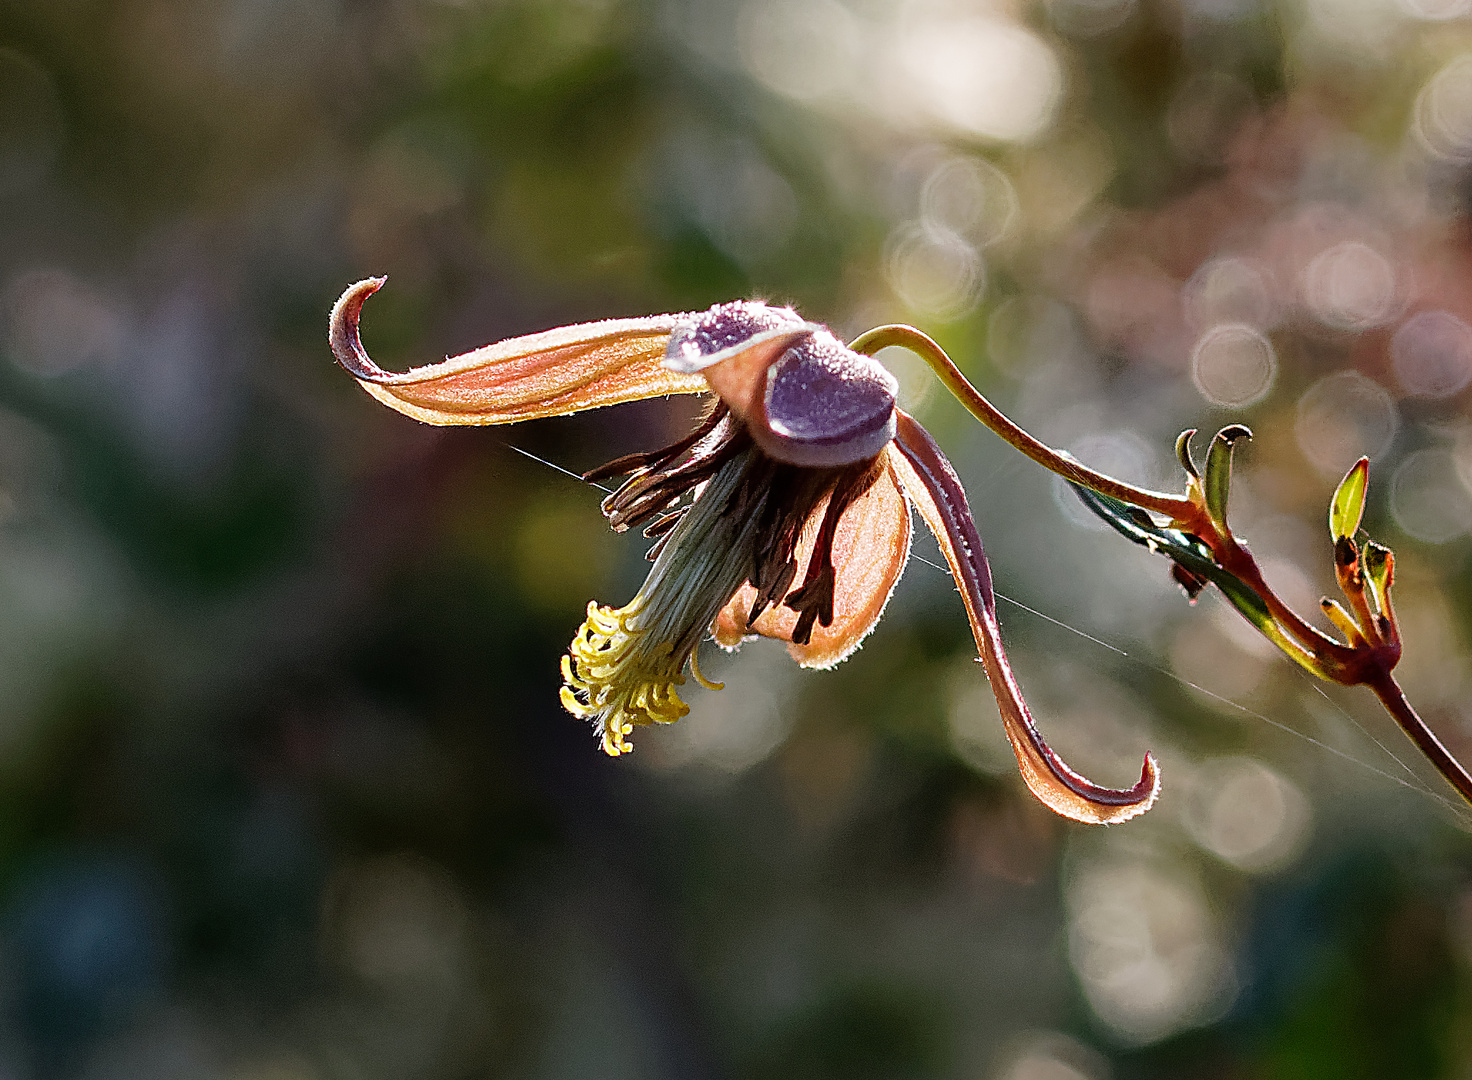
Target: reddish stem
1394, 700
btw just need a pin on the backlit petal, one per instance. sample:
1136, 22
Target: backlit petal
552, 373
928, 480
869, 553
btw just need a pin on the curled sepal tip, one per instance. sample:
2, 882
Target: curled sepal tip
1066, 792
551, 373
342, 329
932, 486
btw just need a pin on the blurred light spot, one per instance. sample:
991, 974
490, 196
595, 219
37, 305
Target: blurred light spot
1057, 184
1443, 120
1222, 11
1134, 306
54, 323
1246, 814
1432, 354
1054, 1056
1340, 418
1427, 498
971, 198
934, 272
917, 381
1350, 286
1229, 290
1146, 949
1125, 454
1364, 25
1434, 666
1090, 18
1234, 365
733, 729
88, 941
805, 51
981, 76
400, 924
31, 122
1043, 1067
1435, 10
1030, 330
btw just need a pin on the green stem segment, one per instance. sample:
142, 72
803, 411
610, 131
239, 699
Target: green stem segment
923, 346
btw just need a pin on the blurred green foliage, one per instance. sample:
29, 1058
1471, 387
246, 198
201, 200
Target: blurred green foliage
285, 790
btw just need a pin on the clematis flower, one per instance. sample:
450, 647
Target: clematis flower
784, 514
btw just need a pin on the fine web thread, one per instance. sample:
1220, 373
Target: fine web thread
1415, 783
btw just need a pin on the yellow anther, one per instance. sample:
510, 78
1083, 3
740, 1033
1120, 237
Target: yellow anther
699, 678
612, 675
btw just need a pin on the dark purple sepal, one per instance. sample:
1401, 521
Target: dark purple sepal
827, 405
728, 330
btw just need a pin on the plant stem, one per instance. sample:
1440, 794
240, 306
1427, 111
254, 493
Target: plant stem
1337, 659
1394, 700
907, 337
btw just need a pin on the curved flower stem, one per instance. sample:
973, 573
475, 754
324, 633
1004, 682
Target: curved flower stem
931, 484
1323, 651
1394, 700
1176, 507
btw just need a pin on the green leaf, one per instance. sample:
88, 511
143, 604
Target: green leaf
1348, 505
1217, 482
1183, 548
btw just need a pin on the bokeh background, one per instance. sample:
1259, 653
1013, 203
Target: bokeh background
285, 789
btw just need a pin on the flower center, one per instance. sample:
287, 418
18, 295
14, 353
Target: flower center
742, 523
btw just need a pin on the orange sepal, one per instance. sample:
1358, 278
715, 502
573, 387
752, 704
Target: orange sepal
927, 478
870, 548
552, 373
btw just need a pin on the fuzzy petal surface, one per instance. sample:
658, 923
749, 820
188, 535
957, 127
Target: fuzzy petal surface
551, 373
870, 549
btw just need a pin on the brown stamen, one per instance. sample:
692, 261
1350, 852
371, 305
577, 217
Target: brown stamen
814, 600
656, 459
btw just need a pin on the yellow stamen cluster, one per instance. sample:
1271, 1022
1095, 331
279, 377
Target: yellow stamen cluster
617, 677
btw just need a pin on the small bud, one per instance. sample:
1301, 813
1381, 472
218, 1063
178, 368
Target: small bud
1188, 580
1379, 571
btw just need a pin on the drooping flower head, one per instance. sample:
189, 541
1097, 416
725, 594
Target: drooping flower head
784, 514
